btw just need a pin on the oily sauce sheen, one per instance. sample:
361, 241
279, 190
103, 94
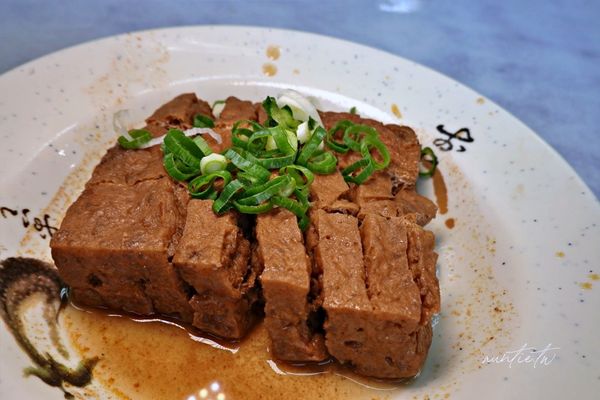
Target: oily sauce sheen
156, 360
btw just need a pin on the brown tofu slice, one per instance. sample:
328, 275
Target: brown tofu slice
413, 203
377, 187
114, 244
405, 203
330, 192
286, 284
376, 329
421, 261
213, 257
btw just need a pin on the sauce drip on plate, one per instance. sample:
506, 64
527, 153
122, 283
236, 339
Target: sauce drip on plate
441, 192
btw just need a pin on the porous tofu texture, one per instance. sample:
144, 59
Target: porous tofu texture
214, 257
286, 283
113, 247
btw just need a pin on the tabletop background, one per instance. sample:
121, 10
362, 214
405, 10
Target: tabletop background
539, 60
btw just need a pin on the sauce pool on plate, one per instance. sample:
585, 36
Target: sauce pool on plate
148, 359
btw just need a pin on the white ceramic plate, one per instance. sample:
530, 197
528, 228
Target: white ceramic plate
518, 272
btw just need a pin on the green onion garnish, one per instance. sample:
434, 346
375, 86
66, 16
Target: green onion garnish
340, 147
223, 202
139, 137
359, 172
354, 134
183, 147
177, 169
202, 121
203, 186
353, 110
373, 142
269, 165
429, 157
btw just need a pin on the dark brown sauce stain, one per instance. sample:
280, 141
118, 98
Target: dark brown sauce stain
269, 69
273, 52
20, 279
150, 359
441, 192
450, 223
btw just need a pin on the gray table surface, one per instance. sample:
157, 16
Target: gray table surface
538, 59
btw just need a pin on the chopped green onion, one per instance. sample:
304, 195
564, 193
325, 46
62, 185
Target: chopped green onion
353, 110
293, 205
354, 134
258, 209
295, 171
365, 168
323, 163
279, 116
428, 156
244, 164
303, 222
202, 121
340, 147
139, 137
223, 202
213, 163
178, 170
201, 143
311, 146
183, 147
203, 185
281, 185
240, 133
373, 141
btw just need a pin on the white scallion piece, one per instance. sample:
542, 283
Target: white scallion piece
217, 108
303, 132
120, 121
212, 163
189, 133
301, 107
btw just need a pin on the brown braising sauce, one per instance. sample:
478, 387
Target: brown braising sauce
441, 192
151, 359
273, 52
269, 69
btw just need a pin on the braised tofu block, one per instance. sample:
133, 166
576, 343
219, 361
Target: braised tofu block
372, 303
113, 248
286, 283
213, 256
